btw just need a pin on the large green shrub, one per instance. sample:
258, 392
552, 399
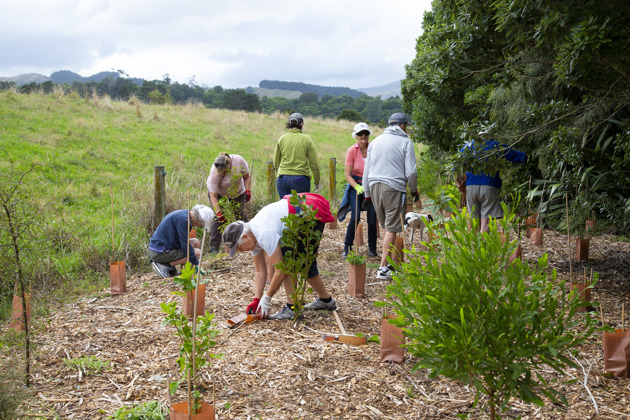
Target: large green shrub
470, 315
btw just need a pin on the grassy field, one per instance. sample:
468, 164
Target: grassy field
95, 154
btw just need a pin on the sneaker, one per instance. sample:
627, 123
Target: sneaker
162, 270
346, 250
320, 305
384, 273
214, 251
285, 313
372, 254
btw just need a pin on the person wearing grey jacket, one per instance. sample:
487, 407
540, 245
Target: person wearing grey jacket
389, 167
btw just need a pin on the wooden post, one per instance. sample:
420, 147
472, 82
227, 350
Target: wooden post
332, 181
271, 180
160, 192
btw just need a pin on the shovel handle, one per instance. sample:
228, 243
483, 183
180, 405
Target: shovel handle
341, 328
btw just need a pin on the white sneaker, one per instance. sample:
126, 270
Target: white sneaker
384, 273
162, 270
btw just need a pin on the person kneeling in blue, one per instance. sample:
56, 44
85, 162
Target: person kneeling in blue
482, 189
170, 245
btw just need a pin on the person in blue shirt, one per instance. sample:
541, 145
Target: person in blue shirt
170, 244
482, 189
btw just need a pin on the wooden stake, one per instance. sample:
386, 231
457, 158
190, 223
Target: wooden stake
356, 218
623, 317
566, 199
111, 194
339, 324
601, 312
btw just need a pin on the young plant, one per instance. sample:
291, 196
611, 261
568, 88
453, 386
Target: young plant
471, 316
196, 339
150, 410
355, 259
88, 364
301, 239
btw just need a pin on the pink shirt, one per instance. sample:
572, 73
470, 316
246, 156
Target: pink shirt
355, 159
231, 183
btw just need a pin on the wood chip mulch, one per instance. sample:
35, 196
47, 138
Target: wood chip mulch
271, 370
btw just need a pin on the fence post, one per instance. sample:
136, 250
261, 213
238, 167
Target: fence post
160, 192
271, 180
332, 181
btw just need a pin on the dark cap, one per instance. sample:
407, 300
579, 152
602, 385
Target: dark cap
398, 118
231, 235
296, 118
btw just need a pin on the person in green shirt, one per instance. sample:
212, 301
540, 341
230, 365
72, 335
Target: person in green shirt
295, 158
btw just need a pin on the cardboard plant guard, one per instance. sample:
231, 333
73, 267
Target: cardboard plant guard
356, 280
188, 301
617, 349
17, 314
179, 411
358, 235
117, 273
392, 340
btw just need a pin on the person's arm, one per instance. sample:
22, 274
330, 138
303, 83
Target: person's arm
312, 159
184, 242
277, 156
214, 199
411, 170
260, 276
366, 172
247, 181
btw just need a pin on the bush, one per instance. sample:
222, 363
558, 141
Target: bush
470, 315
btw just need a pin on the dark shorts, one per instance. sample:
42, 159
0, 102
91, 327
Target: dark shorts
167, 257
313, 270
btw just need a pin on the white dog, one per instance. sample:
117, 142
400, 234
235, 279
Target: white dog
417, 221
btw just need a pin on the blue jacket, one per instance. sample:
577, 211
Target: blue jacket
493, 180
344, 207
172, 233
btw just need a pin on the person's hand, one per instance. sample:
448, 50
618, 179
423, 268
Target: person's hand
367, 203
318, 187
252, 308
416, 196
359, 189
220, 216
248, 195
264, 306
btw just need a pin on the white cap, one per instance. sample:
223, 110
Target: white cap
360, 127
205, 213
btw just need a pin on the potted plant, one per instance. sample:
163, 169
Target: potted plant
356, 275
196, 340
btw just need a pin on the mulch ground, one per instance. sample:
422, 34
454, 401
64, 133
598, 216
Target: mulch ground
271, 370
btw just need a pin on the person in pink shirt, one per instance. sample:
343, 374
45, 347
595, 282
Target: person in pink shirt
229, 177
355, 163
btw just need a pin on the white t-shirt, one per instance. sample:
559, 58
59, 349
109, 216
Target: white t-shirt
267, 226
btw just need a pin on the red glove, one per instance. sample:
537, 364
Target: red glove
220, 216
248, 195
252, 307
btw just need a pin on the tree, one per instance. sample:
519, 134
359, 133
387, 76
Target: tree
350, 115
547, 74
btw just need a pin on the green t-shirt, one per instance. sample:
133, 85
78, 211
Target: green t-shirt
295, 154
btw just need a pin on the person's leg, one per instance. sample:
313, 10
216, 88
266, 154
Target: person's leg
389, 242
241, 200
350, 232
318, 286
371, 222
215, 235
184, 260
489, 206
282, 186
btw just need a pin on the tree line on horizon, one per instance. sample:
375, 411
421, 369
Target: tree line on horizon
360, 108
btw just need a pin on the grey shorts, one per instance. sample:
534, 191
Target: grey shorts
167, 257
485, 200
388, 204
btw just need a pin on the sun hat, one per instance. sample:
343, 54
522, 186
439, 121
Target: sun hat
360, 127
205, 213
232, 234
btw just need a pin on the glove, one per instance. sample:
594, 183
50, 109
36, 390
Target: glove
367, 203
359, 189
220, 216
416, 196
264, 306
248, 195
252, 307
317, 187
203, 272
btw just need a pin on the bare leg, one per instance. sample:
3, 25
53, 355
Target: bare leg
389, 240
485, 225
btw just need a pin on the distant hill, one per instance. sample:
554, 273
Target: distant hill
385, 91
25, 79
304, 87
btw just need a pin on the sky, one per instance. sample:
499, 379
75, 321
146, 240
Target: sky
232, 43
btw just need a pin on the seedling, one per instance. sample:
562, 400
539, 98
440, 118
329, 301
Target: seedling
355, 259
89, 365
150, 410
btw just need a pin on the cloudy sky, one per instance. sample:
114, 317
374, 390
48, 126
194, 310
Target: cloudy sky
232, 43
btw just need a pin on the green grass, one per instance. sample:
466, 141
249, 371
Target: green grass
95, 152
89, 365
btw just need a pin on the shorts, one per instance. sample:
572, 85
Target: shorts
389, 206
312, 270
167, 257
485, 200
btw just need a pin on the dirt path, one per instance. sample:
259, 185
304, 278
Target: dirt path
272, 371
